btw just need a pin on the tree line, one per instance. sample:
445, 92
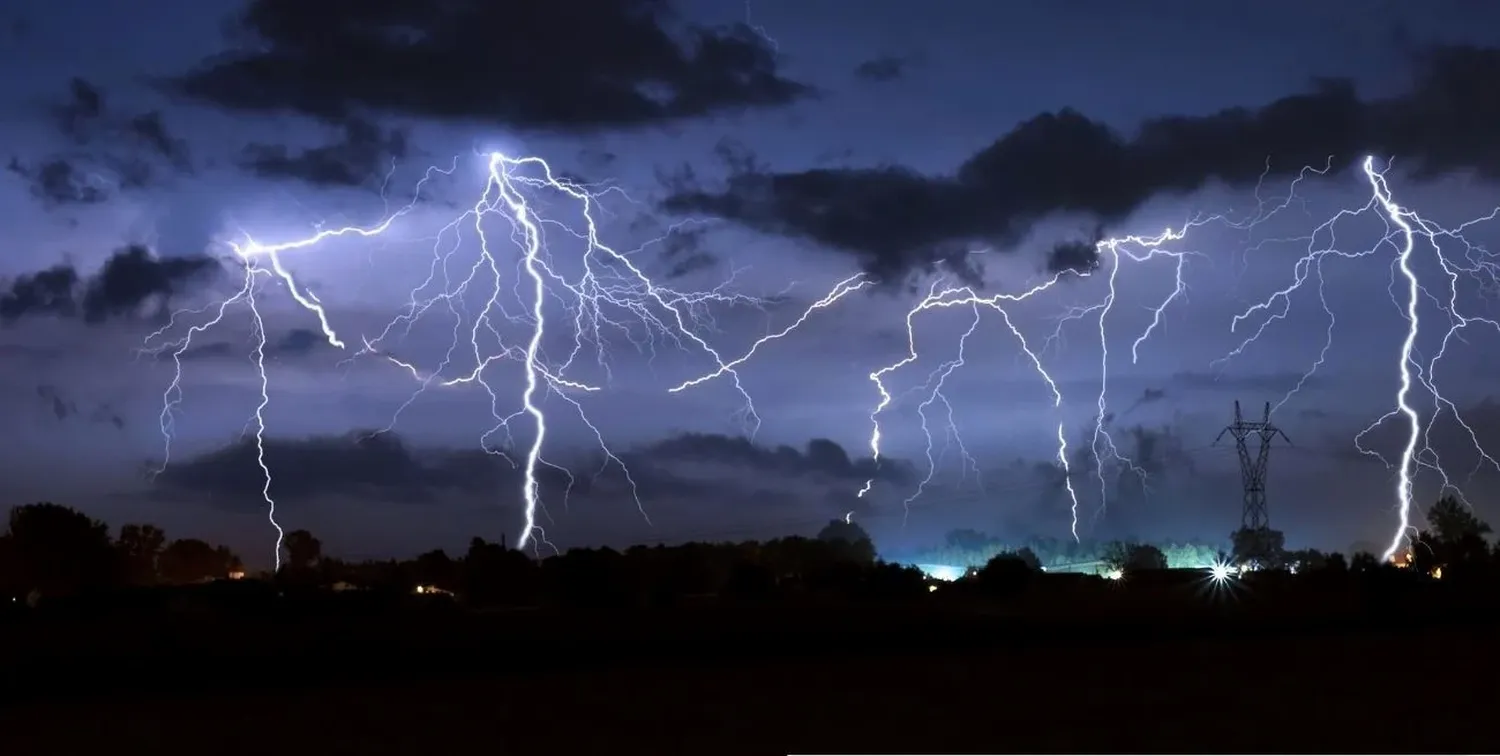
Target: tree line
1454, 535
48, 550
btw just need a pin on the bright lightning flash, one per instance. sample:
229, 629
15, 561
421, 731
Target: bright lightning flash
611, 295
1136, 248
1403, 229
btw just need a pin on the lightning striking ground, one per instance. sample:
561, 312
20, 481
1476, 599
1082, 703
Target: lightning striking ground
611, 295
1403, 225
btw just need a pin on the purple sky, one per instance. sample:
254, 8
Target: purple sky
810, 85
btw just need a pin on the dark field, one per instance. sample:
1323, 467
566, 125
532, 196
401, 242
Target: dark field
748, 680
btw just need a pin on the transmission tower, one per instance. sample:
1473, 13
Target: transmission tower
1255, 519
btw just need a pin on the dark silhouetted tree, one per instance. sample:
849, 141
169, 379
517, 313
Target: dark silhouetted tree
1028, 556
1334, 562
590, 578
848, 541
1133, 557
231, 561
1363, 561
1005, 575
887, 581
10, 584
437, 569
302, 550
189, 560
1452, 521
58, 551
139, 547
1455, 539
494, 575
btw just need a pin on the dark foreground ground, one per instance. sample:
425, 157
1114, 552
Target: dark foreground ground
745, 681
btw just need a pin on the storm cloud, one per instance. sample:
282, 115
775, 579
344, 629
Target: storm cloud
108, 152
897, 222
631, 63
383, 465
131, 279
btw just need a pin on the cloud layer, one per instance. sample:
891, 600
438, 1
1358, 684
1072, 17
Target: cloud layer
896, 222
107, 151
384, 466
528, 66
130, 280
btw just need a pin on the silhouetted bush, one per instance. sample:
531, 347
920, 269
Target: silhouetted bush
1134, 557
1006, 575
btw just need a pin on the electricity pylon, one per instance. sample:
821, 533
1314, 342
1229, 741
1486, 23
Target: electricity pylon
1254, 519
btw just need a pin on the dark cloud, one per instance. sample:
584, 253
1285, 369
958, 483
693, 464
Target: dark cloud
85, 119
594, 159
568, 65
1447, 440
64, 409
360, 463
1161, 463
1148, 396
131, 279
897, 222
60, 181
151, 132
217, 350
78, 114
1074, 256
108, 152
365, 464
358, 159
298, 342
685, 253
106, 414
883, 68
821, 457
61, 408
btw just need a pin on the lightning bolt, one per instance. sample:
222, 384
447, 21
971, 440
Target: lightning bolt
649, 314
1113, 251
614, 296
942, 298
1403, 226
158, 343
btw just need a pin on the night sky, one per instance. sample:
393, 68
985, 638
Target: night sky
780, 147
